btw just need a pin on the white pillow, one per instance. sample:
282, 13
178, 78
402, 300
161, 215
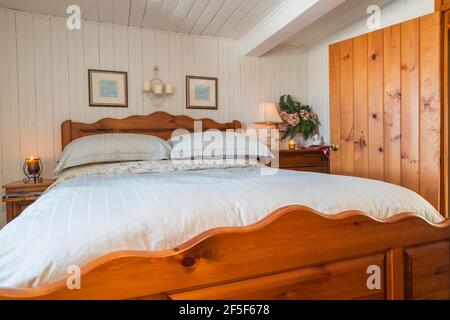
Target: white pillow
114, 147
214, 143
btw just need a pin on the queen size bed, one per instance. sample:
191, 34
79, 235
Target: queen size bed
159, 229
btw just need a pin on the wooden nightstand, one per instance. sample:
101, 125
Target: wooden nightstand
19, 195
304, 160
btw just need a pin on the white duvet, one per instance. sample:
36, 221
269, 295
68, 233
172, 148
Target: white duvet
90, 216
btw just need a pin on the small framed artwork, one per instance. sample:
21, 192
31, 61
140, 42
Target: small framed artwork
201, 93
108, 88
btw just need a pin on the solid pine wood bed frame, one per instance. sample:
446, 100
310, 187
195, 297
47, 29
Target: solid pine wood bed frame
295, 253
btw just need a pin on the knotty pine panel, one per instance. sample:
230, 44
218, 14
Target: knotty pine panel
403, 106
361, 119
392, 105
376, 112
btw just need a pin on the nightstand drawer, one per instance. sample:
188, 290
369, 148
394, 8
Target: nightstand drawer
309, 169
299, 159
14, 209
304, 160
19, 195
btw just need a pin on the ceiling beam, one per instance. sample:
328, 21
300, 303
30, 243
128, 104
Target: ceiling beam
289, 18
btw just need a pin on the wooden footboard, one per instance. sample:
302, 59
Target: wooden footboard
295, 253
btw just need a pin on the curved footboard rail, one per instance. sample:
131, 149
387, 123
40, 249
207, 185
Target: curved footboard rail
295, 253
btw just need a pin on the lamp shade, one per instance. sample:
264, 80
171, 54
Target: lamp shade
269, 114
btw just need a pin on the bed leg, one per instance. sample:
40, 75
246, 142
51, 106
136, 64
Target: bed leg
395, 283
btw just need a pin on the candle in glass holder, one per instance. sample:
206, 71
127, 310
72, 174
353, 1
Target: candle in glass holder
33, 166
292, 145
147, 86
157, 89
169, 88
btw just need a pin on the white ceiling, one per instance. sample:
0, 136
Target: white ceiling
260, 24
217, 18
345, 14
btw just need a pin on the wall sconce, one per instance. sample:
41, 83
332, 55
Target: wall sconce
157, 89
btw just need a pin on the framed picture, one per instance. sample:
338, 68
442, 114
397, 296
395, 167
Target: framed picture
201, 93
108, 88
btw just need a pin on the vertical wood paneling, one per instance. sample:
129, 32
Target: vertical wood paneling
106, 54
245, 76
176, 65
91, 59
410, 104
335, 105
162, 60
393, 13
121, 61
361, 159
445, 197
188, 62
148, 62
26, 85
224, 75
10, 126
375, 103
235, 80
76, 66
392, 105
404, 108
430, 108
347, 107
9, 105
44, 91
212, 70
3, 102
60, 76
135, 101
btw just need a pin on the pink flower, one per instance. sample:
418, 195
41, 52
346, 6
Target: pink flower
293, 119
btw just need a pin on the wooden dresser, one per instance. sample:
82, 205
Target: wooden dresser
19, 195
304, 160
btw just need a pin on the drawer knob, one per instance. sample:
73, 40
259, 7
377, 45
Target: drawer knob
335, 147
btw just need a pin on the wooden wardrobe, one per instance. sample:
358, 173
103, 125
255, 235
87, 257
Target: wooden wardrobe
386, 110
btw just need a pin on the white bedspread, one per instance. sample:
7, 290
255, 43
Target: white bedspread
91, 215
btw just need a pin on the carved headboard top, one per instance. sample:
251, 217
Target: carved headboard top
160, 124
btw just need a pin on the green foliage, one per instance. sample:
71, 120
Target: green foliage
307, 119
292, 132
287, 104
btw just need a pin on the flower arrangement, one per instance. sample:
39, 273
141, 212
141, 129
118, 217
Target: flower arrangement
299, 118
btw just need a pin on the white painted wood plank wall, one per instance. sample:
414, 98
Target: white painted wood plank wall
318, 83
43, 79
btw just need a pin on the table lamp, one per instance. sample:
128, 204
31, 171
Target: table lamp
269, 117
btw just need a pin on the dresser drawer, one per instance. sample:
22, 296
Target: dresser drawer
427, 271
343, 280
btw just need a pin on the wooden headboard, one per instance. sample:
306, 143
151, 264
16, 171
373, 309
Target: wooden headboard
160, 124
